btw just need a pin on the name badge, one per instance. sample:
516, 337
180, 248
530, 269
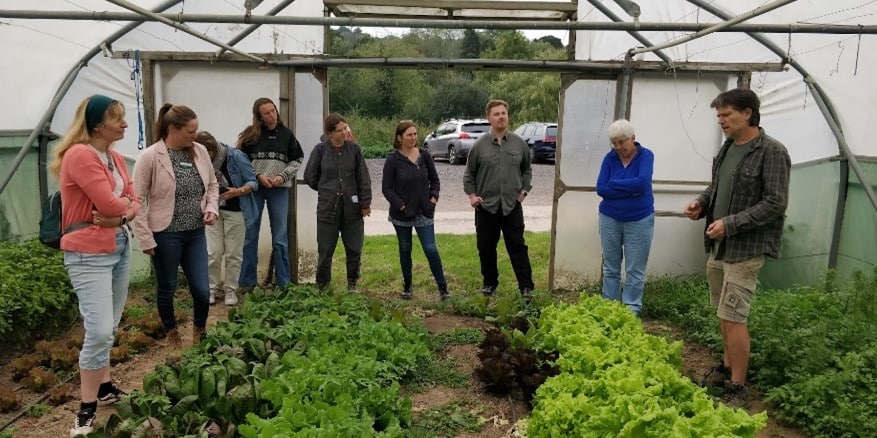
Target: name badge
185, 165
355, 199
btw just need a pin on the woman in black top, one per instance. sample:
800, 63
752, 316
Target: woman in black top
411, 185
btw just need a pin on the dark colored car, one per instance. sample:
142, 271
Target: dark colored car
453, 139
542, 139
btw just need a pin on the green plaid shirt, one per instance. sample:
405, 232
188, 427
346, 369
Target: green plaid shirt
759, 196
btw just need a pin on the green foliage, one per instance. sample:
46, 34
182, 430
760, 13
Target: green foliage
813, 348
446, 421
291, 362
37, 410
616, 380
460, 336
36, 298
439, 369
470, 46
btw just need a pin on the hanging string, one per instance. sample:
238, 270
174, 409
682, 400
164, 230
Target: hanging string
137, 77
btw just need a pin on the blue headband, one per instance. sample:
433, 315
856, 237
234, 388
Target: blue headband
95, 110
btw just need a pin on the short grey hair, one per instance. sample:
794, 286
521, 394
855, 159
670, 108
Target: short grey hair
620, 128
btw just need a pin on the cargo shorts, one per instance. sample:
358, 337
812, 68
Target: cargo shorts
732, 286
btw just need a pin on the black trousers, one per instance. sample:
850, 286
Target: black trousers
487, 228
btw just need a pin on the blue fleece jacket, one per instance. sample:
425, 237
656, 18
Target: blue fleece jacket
627, 191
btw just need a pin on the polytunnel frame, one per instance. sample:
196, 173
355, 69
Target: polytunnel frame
177, 20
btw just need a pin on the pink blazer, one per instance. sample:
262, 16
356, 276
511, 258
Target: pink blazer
87, 184
156, 186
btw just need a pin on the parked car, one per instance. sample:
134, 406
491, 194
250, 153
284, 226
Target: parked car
542, 139
454, 139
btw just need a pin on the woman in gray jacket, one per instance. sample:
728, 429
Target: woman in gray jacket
336, 170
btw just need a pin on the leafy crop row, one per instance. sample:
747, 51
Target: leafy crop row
615, 380
36, 298
814, 349
291, 363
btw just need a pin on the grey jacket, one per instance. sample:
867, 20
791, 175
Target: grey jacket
339, 175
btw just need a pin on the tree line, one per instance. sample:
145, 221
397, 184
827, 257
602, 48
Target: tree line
430, 96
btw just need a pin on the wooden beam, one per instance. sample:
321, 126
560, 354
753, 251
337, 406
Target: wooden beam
568, 7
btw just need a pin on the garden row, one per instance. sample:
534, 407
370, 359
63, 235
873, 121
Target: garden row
814, 349
290, 362
616, 380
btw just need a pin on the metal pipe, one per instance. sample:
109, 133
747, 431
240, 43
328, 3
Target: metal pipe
621, 112
46, 120
184, 28
725, 25
251, 28
636, 35
441, 23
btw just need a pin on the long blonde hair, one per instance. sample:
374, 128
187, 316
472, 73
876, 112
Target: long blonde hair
78, 132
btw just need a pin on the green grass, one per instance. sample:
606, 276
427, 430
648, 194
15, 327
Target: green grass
446, 421
460, 336
440, 369
381, 274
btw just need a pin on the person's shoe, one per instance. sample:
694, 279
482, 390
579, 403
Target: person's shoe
243, 290
112, 395
735, 395
351, 286
212, 298
231, 299
526, 293
443, 292
488, 290
198, 334
173, 339
84, 423
406, 292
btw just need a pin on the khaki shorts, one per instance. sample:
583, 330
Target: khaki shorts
732, 286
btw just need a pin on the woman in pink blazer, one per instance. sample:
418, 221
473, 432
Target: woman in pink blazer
174, 180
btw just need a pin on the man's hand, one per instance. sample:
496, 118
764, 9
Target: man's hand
264, 181
475, 200
692, 210
366, 211
716, 230
522, 196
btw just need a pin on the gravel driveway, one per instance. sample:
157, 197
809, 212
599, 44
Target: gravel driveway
454, 215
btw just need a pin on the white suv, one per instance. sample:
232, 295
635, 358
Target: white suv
454, 138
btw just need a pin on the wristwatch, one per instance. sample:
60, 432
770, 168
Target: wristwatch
124, 221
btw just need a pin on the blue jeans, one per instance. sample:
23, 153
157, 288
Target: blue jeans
632, 241
427, 241
101, 284
277, 199
189, 250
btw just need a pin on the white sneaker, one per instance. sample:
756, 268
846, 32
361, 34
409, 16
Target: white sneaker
231, 299
212, 298
84, 423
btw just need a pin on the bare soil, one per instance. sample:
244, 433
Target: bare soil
500, 413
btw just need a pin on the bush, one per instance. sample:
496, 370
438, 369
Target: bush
36, 298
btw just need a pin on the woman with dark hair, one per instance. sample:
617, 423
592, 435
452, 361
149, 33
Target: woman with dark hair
276, 156
336, 170
411, 185
237, 210
174, 179
99, 200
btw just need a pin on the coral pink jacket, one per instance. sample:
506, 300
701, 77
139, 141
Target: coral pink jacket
156, 186
87, 184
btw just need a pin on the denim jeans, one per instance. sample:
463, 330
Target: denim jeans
631, 241
189, 250
101, 284
225, 243
427, 241
277, 199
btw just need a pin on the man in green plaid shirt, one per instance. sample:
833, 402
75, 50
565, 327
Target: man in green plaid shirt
745, 207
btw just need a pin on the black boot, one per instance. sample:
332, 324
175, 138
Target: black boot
406, 294
443, 292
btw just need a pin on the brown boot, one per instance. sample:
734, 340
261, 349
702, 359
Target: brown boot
173, 339
198, 334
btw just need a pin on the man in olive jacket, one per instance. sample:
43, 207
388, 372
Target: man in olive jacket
497, 179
